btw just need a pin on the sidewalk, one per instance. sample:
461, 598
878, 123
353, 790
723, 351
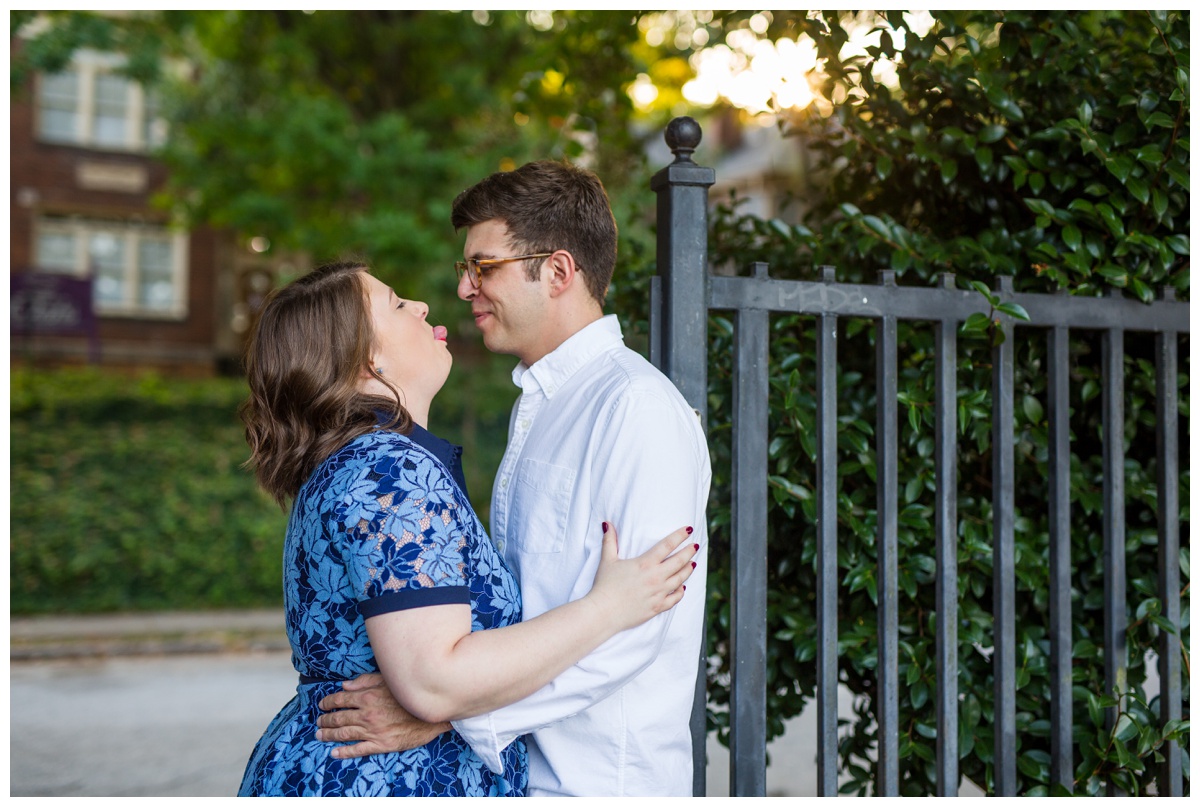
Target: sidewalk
87, 636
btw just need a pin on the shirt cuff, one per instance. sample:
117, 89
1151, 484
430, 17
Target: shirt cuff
480, 734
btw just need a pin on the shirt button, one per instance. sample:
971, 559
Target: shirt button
500, 546
503, 483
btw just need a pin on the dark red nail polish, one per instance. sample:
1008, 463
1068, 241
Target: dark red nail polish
693, 564
695, 547
604, 526
685, 588
689, 530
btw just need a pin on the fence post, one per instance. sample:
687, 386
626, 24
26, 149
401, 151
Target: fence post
682, 189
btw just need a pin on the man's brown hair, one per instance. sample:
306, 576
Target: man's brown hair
547, 206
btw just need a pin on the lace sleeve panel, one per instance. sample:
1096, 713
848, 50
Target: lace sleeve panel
404, 543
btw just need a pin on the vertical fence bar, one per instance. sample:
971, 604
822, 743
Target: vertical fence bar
887, 709
1004, 656
1170, 775
1062, 766
655, 322
1115, 667
748, 610
827, 554
682, 255
946, 526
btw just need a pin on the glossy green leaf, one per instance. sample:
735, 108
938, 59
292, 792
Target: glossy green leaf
1120, 166
1072, 237
1040, 206
1032, 408
1094, 711
991, 133
1139, 189
1014, 310
977, 322
1084, 113
1160, 119
1126, 729
1178, 171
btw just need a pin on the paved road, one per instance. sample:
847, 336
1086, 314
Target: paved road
183, 725
180, 725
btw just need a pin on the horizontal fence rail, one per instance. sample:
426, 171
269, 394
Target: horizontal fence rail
945, 303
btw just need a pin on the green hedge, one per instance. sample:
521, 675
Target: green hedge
127, 494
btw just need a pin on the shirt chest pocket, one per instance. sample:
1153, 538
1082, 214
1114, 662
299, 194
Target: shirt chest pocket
541, 502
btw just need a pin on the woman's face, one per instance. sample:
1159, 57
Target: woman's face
409, 352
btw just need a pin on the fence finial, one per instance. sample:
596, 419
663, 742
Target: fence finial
682, 136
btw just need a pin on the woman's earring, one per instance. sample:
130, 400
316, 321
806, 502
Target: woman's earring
377, 371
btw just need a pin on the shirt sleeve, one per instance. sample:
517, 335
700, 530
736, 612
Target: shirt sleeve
647, 475
403, 546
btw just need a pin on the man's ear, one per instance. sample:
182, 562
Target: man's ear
563, 272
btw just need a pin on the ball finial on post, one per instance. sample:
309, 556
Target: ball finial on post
682, 136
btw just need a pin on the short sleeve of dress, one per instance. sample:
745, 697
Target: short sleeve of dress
400, 526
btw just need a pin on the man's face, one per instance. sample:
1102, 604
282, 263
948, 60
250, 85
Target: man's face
510, 310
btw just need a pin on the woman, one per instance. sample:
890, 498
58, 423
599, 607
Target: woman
386, 567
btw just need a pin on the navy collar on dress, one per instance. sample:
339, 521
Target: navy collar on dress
446, 452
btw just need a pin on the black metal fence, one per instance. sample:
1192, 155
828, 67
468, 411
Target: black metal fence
681, 297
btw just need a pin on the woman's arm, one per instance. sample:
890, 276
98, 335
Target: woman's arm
440, 670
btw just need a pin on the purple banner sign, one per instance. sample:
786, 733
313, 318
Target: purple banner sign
44, 303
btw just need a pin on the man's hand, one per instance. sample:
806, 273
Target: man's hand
370, 717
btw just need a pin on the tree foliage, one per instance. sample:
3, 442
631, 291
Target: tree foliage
1049, 146
351, 132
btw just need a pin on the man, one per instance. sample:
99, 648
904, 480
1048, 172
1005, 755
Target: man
597, 435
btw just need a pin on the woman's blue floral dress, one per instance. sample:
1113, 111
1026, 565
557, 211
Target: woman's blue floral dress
380, 526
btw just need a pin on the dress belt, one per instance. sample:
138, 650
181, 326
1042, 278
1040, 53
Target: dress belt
325, 679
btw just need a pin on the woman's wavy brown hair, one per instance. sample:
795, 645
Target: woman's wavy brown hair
304, 365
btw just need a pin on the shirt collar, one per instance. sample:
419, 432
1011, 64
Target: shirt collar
554, 369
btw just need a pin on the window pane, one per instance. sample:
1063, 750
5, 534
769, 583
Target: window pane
111, 106
106, 253
112, 92
58, 101
109, 131
55, 252
58, 125
59, 88
156, 286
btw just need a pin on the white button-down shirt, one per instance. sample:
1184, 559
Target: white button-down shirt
598, 434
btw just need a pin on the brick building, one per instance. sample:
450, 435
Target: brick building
82, 185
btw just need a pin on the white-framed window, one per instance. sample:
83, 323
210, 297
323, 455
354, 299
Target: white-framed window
91, 104
139, 270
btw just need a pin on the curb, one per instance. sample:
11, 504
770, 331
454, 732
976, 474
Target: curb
116, 635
